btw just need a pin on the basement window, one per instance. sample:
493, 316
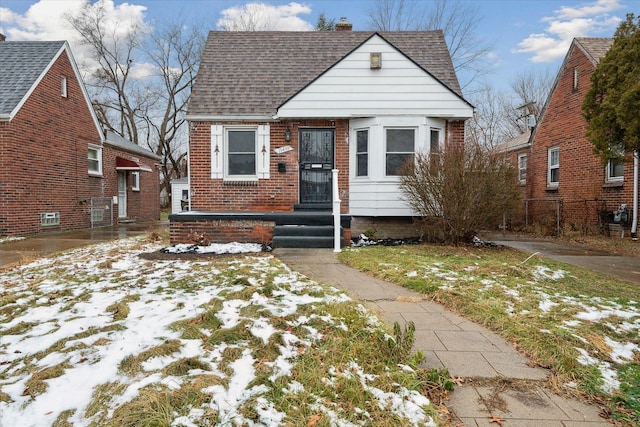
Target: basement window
48, 219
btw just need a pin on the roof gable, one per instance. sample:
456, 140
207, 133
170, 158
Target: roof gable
594, 48
22, 66
351, 88
252, 73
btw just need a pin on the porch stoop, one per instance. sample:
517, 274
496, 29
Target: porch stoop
305, 229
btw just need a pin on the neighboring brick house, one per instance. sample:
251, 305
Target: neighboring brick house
55, 161
517, 151
567, 184
273, 113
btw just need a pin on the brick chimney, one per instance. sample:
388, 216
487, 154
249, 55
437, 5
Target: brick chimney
343, 25
2, 37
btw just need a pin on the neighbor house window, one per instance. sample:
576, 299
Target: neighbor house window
362, 152
522, 168
241, 152
615, 170
135, 181
49, 219
553, 174
94, 157
63, 86
400, 146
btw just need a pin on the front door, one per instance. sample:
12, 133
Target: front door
316, 162
122, 194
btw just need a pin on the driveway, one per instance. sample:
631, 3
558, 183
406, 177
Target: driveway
623, 267
37, 246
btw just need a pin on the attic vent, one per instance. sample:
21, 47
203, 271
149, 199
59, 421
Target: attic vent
375, 60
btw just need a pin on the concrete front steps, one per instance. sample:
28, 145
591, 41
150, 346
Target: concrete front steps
305, 229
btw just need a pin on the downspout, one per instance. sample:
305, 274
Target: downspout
634, 225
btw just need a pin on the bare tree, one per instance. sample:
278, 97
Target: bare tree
460, 191
140, 82
458, 20
530, 92
250, 17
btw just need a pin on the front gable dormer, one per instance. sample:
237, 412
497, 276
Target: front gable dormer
372, 80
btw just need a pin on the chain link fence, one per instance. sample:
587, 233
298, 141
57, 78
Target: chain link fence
101, 212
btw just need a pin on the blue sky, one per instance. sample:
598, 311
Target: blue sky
527, 36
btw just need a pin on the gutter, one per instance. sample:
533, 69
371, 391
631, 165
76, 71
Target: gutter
238, 118
634, 225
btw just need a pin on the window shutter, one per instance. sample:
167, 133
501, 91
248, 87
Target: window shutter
217, 152
263, 151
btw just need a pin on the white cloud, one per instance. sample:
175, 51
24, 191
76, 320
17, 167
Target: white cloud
259, 16
47, 20
586, 20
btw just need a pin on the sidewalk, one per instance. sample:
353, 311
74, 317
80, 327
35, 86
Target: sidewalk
465, 348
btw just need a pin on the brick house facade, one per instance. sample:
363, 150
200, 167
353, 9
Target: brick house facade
272, 114
49, 138
566, 183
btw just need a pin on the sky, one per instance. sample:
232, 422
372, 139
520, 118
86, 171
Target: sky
524, 36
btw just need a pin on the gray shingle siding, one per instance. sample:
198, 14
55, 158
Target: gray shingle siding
253, 73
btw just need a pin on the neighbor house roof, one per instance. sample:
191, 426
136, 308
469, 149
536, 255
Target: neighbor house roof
22, 64
520, 141
253, 73
594, 48
118, 141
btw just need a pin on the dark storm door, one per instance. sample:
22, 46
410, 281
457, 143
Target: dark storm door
316, 162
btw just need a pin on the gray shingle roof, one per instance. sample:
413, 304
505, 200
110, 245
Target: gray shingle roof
594, 48
118, 141
253, 73
21, 64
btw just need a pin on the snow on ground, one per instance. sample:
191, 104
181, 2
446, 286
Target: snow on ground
60, 321
621, 318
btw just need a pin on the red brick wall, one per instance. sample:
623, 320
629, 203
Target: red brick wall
278, 193
222, 231
43, 161
142, 205
582, 186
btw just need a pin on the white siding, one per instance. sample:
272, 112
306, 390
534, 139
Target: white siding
378, 194
353, 89
176, 195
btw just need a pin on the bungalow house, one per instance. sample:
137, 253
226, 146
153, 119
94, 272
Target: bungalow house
567, 185
58, 169
272, 114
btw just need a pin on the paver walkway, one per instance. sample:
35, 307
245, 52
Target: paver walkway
465, 348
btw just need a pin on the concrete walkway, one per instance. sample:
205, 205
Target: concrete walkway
465, 348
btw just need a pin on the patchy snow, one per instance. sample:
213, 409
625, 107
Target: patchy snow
64, 315
541, 272
214, 248
622, 353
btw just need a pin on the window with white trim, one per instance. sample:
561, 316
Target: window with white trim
399, 148
615, 170
522, 168
63, 86
434, 141
135, 181
553, 171
240, 153
94, 158
362, 152
49, 218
